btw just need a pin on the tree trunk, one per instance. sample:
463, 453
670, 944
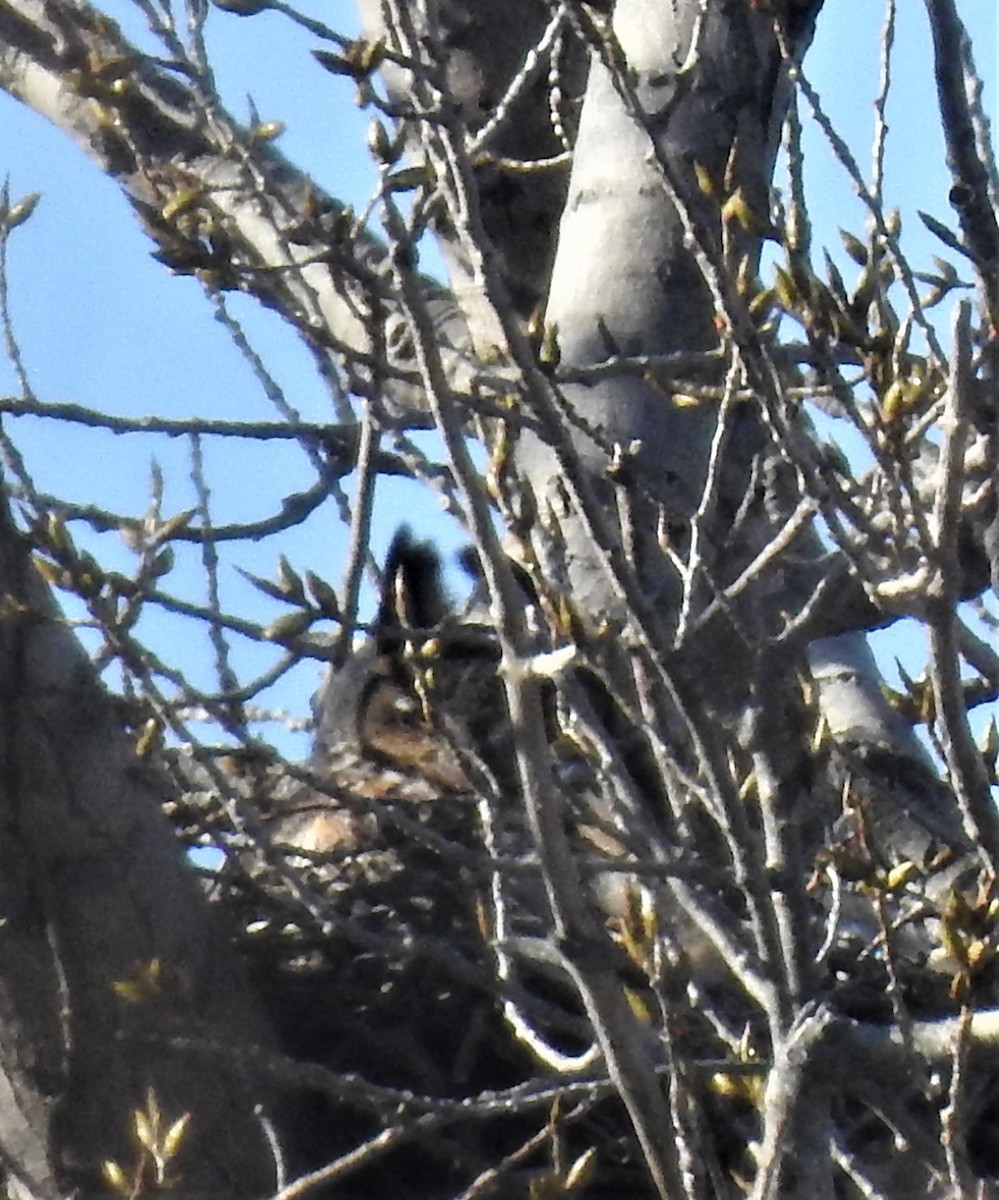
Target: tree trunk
110, 957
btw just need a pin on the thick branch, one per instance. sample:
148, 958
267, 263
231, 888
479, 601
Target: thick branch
219, 204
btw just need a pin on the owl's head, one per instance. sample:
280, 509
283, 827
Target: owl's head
406, 695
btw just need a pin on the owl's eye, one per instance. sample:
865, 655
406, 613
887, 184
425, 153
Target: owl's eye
403, 705
387, 708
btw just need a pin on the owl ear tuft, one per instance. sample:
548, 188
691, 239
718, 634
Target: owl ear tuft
413, 593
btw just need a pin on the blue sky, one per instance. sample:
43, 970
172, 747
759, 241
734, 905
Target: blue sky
102, 324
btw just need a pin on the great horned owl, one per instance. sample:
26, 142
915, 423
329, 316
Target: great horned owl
412, 732
402, 722
387, 849
414, 840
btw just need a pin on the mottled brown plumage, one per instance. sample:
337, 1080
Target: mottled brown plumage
412, 735
387, 727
